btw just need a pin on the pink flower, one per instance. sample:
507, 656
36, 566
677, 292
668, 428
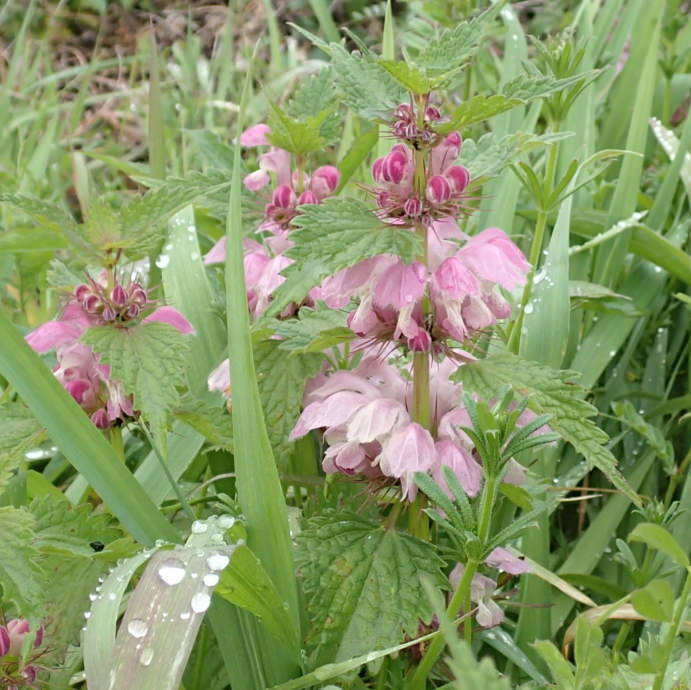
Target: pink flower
489, 613
506, 562
12, 636
78, 368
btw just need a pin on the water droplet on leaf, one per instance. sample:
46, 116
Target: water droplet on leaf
137, 627
172, 571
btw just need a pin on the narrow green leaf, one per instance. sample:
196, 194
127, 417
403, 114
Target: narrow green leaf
560, 667
478, 109
355, 156
79, 440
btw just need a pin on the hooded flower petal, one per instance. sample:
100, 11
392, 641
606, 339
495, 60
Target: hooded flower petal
255, 135
335, 410
376, 419
217, 253
506, 562
52, 335
409, 449
172, 317
468, 471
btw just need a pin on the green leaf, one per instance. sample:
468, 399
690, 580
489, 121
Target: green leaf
149, 360
363, 584
552, 392
529, 87
559, 667
314, 330
334, 235
211, 421
356, 154
657, 537
21, 431
245, 583
478, 109
655, 601
212, 150
315, 95
365, 85
408, 76
102, 226
21, 579
455, 46
281, 379
295, 136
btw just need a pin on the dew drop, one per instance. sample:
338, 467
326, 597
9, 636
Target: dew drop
211, 579
217, 538
199, 527
529, 308
147, 656
111, 596
200, 602
194, 256
217, 561
87, 614
93, 596
226, 522
612, 353
163, 260
172, 571
185, 615
137, 627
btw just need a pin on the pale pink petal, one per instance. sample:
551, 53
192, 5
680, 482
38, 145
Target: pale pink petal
172, 317
454, 280
277, 161
376, 419
52, 335
456, 457
506, 562
336, 409
349, 458
401, 285
255, 136
409, 449
219, 378
515, 473
256, 180
489, 613
476, 315
217, 253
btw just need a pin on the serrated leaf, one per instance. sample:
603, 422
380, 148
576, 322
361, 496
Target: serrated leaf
296, 136
366, 87
21, 431
528, 87
245, 583
281, 379
455, 46
549, 391
143, 217
478, 109
314, 95
314, 330
149, 360
334, 235
102, 227
211, 421
409, 76
21, 579
363, 584
62, 277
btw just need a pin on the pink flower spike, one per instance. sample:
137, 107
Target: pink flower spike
307, 197
335, 410
506, 562
255, 136
395, 165
172, 317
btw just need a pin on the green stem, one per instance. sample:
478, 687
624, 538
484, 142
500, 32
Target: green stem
673, 630
421, 397
164, 466
116, 442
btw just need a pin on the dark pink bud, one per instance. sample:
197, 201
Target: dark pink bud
458, 176
404, 111
395, 166
119, 296
378, 170
307, 197
329, 175
109, 314
453, 139
432, 114
100, 419
412, 207
438, 189
81, 291
421, 341
132, 311
38, 640
4, 641
77, 389
138, 295
92, 304
29, 674
283, 196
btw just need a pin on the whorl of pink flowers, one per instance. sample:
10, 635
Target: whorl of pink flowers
78, 368
12, 671
370, 432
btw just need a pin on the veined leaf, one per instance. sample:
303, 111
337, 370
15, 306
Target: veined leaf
657, 537
549, 391
334, 235
20, 432
529, 87
314, 330
478, 109
409, 76
366, 86
21, 579
281, 379
149, 360
363, 583
296, 136
314, 95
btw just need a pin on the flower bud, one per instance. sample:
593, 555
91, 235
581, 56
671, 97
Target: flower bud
378, 170
403, 112
100, 419
132, 311
432, 114
138, 295
327, 176
92, 304
119, 296
109, 314
458, 177
4, 641
438, 189
412, 207
29, 674
81, 291
307, 197
395, 166
421, 341
283, 196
